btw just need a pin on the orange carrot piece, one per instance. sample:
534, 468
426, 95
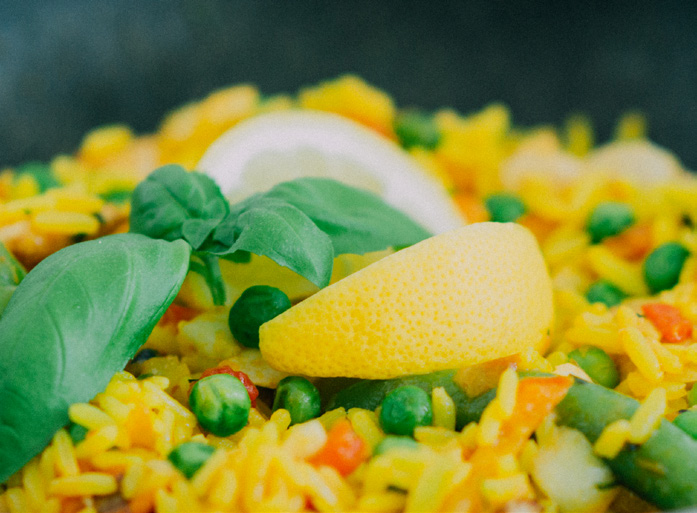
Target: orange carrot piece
539, 226
140, 427
141, 503
633, 243
176, 313
472, 207
536, 398
344, 449
668, 320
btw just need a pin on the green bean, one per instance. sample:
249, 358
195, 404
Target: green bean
687, 421
660, 471
692, 395
369, 394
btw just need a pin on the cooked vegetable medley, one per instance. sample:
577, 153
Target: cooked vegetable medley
167, 344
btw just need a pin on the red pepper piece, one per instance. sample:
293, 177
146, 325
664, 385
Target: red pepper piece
225, 369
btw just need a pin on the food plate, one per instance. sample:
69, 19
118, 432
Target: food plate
503, 323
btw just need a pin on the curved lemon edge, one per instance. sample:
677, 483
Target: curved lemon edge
406, 184
500, 305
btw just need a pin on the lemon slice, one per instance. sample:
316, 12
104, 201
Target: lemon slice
279, 146
640, 162
474, 294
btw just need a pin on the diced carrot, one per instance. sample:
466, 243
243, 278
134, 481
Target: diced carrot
72, 505
539, 226
140, 428
176, 313
536, 398
668, 320
142, 503
225, 369
633, 243
344, 449
472, 207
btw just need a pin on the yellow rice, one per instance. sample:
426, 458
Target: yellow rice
135, 423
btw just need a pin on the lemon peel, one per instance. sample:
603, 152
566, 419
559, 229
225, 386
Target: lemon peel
470, 295
275, 147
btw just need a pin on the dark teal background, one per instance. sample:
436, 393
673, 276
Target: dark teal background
67, 66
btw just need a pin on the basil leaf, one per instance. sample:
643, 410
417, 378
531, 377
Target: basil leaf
300, 224
75, 320
279, 231
11, 273
357, 221
172, 204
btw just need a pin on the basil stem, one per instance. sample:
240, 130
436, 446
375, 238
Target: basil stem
209, 268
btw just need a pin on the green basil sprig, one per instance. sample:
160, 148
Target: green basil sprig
280, 231
11, 273
74, 321
357, 221
173, 204
301, 224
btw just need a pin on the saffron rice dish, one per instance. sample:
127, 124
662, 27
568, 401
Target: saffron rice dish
570, 388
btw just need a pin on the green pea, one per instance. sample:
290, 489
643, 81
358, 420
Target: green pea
190, 456
256, 305
663, 266
687, 421
416, 128
221, 404
404, 409
299, 397
77, 432
692, 395
597, 364
504, 207
605, 292
608, 219
395, 442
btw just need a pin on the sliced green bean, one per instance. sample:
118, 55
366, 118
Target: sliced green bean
369, 394
661, 471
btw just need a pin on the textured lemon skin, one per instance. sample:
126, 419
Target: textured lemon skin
470, 295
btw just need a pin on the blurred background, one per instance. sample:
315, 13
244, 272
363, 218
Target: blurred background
67, 66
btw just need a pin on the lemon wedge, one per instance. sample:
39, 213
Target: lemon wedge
279, 146
474, 294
